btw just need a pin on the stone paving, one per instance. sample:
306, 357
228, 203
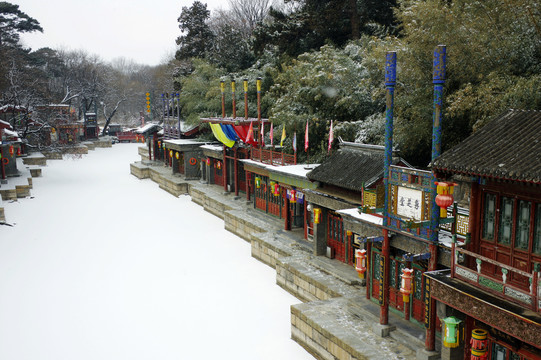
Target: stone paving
335, 320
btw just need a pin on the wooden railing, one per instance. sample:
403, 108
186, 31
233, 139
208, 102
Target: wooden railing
530, 299
273, 157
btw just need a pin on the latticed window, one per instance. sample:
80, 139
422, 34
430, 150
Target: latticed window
537, 230
418, 285
522, 235
489, 224
393, 273
375, 266
506, 221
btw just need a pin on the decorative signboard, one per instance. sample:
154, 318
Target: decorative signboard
426, 297
410, 200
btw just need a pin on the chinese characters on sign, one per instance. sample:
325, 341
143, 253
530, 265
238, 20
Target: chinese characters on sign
409, 204
427, 302
381, 279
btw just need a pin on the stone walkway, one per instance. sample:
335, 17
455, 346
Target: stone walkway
335, 320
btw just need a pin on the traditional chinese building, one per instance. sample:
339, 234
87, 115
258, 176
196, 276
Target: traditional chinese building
351, 177
493, 284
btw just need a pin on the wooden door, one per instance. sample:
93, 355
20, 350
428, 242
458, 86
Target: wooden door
336, 235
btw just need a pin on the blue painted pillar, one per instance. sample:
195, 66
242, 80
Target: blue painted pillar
438, 79
390, 82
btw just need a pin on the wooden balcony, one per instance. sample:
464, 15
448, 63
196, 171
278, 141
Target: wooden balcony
500, 286
271, 157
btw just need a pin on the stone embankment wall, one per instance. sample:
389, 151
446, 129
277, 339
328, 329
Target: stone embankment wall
327, 323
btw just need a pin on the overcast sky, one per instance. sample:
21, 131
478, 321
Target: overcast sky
141, 30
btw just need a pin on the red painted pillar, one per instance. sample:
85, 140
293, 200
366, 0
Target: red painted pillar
236, 168
287, 216
384, 282
305, 219
248, 183
224, 169
430, 341
369, 266
2, 165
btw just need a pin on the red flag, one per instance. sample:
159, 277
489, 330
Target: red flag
250, 135
271, 135
306, 137
331, 137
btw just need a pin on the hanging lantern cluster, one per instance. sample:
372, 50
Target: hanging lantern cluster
159, 144
451, 332
317, 215
405, 285
360, 262
479, 344
444, 199
257, 182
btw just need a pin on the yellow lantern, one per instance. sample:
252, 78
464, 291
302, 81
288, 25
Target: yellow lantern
317, 216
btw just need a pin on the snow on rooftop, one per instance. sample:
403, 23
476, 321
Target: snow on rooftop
4, 124
12, 133
183, 142
145, 128
356, 214
299, 170
212, 147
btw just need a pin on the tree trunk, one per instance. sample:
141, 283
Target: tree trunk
355, 21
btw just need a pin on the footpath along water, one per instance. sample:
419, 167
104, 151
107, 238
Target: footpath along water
101, 265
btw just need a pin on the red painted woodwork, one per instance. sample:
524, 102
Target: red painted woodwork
336, 235
218, 173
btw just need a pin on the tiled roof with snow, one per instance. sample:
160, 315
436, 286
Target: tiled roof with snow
509, 147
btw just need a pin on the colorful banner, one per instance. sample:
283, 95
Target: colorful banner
219, 134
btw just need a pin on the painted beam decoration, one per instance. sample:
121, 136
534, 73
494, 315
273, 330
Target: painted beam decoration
410, 200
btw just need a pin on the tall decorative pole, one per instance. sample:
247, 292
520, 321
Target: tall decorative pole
222, 89
262, 129
234, 99
390, 82
438, 79
246, 99
178, 113
167, 105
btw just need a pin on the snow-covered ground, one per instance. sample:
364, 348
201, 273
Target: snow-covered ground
101, 265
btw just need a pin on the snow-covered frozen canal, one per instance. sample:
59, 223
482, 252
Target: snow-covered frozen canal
101, 265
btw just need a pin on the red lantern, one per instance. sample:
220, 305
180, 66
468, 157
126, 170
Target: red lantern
219, 165
293, 196
444, 199
208, 161
11, 150
276, 189
18, 151
405, 288
360, 262
478, 344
